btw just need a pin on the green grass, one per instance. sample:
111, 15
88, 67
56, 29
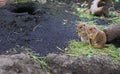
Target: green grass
79, 48
40, 60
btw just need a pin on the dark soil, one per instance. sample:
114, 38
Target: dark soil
39, 29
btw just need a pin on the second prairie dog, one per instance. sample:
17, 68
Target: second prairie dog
97, 37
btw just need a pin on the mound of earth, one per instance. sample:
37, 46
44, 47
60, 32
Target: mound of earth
19, 64
35, 26
59, 64
98, 64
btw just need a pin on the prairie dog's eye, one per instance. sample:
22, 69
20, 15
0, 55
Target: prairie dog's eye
80, 27
90, 29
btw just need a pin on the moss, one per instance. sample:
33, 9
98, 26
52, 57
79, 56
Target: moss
79, 48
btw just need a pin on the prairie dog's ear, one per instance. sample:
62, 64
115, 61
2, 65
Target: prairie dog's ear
94, 25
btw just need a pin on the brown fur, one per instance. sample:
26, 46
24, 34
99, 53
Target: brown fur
81, 28
97, 37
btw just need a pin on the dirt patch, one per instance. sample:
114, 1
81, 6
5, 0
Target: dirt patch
103, 21
38, 27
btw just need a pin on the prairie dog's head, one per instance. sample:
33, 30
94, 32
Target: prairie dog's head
81, 27
92, 31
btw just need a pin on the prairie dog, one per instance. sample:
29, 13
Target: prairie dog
82, 32
97, 37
